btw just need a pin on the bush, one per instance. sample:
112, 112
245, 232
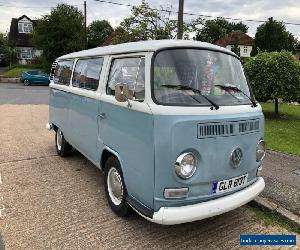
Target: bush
274, 75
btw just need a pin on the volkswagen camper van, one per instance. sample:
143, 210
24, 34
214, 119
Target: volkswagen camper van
173, 125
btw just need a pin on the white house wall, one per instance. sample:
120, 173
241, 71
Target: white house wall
243, 53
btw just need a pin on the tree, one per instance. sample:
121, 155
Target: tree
254, 51
145, 23
236, 49
98, 32
2, 40
120, 36
7, 51
274, 75
213, 30
3, 43
273, 36
59, 33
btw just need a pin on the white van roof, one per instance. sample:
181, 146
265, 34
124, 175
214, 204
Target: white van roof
144, 46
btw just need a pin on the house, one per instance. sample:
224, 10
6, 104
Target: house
245, 43
20, 36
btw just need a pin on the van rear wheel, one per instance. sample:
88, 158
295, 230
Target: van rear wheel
115, 188
63, 148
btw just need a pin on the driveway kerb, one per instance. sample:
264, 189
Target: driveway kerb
269, 206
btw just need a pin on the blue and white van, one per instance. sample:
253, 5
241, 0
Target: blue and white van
173, 125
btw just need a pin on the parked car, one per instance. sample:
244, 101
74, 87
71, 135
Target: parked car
34, 77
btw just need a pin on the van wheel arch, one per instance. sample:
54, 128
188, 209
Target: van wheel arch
54, 127
104, 157
115, 187
106, 153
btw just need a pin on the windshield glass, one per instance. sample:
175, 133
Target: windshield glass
193, 77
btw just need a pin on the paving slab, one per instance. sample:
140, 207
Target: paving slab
282, 183
23, 132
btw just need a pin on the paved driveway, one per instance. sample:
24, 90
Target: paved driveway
17, 93
50, 202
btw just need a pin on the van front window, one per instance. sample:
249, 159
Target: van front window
193, 77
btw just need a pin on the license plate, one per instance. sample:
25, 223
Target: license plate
230, 184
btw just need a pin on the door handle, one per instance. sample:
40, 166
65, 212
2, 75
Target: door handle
102, 116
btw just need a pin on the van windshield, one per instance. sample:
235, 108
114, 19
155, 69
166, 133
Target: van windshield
194, 77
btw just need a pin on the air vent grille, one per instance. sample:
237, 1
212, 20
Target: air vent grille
215, 130
227, 128
248, 126
53, 70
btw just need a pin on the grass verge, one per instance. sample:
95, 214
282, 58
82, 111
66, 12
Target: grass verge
17, 69
272, 218
15, 72
282, 131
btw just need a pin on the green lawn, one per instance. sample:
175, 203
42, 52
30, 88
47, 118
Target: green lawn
282, 132
16, 72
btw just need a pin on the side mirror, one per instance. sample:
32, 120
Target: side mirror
122, 93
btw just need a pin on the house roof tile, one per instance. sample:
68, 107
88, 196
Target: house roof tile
235, 36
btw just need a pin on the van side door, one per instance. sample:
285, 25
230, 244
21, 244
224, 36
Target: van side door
128, 130
84, 108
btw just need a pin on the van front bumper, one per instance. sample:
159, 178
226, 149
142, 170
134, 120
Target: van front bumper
177, 215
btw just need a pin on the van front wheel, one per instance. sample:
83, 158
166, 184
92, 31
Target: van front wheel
63, 148
115, 188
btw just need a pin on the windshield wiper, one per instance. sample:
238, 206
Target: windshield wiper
236, 89
197, 91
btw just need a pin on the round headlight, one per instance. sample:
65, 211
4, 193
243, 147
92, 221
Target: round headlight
185, 165
260, 150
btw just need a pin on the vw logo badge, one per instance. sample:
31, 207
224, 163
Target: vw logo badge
236, 157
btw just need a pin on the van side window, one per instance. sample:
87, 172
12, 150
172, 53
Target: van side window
130, 71
63, 72
87, 73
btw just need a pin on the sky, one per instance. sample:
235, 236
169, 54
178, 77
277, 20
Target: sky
287, 11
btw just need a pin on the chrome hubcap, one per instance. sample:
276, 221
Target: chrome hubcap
26, 82
59, 139
114, 185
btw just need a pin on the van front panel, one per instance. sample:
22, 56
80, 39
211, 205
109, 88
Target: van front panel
176, 134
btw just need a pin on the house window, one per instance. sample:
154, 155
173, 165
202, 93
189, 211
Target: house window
245, 49
26, 53
25, 27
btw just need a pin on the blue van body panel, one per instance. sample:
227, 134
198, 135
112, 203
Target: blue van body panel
59, 105
177, 134
84, 125
130, 134
148, 146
